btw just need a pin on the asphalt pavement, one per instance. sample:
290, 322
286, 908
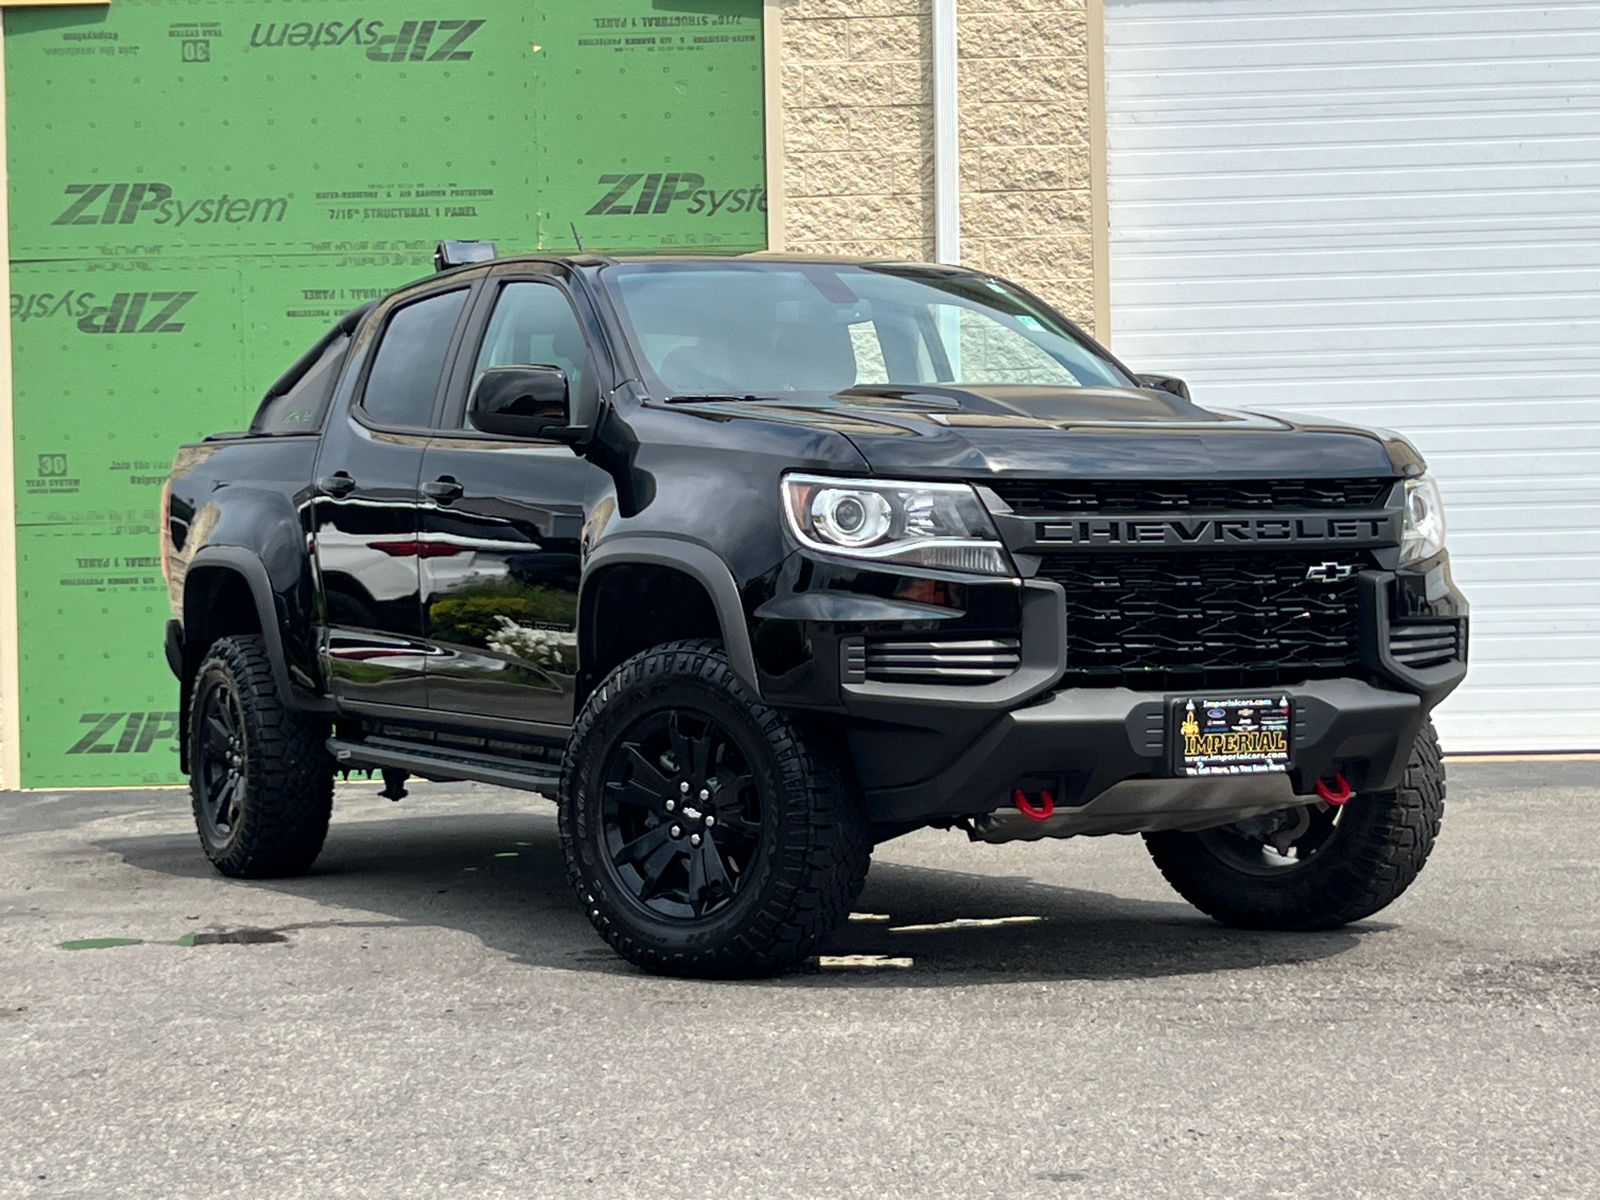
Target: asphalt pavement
428, 1013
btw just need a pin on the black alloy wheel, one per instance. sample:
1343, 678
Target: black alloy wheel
706, 834
260, 775
221, 765
1277, 842
682, 814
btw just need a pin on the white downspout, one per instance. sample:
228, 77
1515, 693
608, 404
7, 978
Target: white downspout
946, 137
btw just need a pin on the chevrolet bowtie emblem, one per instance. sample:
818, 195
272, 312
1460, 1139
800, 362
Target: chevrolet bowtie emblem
1329, 572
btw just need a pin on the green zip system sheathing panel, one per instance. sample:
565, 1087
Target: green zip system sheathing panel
199, 188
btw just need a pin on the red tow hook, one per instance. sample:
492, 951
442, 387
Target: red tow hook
1045, 807
1338, 792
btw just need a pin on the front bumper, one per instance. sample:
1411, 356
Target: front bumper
1081, 743
929, 751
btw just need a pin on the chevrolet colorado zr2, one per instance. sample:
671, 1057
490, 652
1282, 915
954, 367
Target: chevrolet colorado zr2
753, 563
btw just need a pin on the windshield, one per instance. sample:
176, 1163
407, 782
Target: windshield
770, 329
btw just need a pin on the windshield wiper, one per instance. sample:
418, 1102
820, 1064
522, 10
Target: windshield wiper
712, 397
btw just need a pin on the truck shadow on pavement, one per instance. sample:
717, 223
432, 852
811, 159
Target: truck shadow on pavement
500, 878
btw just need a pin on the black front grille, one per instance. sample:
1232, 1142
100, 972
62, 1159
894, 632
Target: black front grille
1187, 619
1029, 496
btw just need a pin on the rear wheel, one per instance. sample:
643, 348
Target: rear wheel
705, 833
1314, 867
261, 778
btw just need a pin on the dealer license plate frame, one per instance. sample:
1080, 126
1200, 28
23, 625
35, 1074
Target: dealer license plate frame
1262, 722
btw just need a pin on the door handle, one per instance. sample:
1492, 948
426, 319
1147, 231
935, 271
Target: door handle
443, 490
337, 484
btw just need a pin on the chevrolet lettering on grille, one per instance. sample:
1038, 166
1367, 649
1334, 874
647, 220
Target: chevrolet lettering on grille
1375, 530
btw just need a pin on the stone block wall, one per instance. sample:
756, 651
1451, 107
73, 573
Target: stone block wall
858, 136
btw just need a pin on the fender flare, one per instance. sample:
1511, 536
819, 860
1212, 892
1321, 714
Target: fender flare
700, 564
245, 563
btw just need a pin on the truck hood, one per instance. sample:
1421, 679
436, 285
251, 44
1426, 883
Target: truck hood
1099, 432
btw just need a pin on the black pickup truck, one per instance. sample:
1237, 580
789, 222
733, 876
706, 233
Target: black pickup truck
753, 563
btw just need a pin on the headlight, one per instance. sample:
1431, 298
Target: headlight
1422, 533
941, 525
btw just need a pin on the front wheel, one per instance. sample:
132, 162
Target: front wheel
1315, 867
706, 834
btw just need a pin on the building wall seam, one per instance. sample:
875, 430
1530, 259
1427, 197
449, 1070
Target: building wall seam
857, 137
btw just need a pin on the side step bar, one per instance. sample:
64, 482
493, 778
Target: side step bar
445, 764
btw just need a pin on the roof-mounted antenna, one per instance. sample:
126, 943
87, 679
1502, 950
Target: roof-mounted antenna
573, 225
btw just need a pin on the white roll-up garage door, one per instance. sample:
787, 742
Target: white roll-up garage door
1389, 212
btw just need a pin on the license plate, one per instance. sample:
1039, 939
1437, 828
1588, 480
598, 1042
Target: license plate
1232, 735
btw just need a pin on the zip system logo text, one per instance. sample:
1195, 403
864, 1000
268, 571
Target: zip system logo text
126, 203
639, 194
415, 41
126, 732
137, 312
127, 312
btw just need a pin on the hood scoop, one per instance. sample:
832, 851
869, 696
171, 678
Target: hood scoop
1029, 404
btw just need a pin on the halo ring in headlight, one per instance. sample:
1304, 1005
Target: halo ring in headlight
941, 525
849, 517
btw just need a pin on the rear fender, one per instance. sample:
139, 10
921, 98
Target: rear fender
259, 535
198, 624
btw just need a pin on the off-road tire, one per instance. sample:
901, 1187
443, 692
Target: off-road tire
280, 820
815, 841
1380, 844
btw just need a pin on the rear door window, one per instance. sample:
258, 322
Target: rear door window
404, 380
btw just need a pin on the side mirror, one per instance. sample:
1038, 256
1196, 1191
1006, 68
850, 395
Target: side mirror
528, 402
1164, 383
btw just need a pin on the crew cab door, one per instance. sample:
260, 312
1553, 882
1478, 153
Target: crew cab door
365, 508
501, 519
